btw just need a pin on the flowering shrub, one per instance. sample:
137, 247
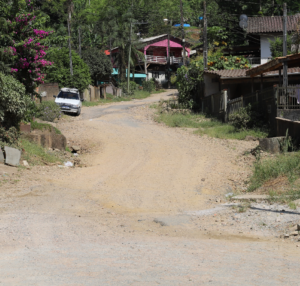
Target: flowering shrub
49, 111
27, 49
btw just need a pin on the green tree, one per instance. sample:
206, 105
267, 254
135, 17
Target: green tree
13, 101
277, 46
60, 71
98, 62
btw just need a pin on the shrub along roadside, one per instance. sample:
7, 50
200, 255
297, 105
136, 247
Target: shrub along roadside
49, 111
287, 165
207, 126
283, 168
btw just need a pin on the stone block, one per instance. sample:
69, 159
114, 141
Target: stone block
1, 156
12, 156
271, 145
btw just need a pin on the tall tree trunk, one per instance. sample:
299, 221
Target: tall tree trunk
70, 50
79, 40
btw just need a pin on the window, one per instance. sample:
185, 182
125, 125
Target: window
155, 74
68, 95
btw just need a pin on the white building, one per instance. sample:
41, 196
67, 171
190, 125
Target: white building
266, 29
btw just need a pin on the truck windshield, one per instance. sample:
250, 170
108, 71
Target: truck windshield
68, 95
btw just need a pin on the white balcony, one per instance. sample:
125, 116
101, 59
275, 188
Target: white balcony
162, 60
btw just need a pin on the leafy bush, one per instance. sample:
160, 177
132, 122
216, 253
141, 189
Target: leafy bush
8, 136
149, 85
241, 118
188, 80
12, 101
276, 46
49, 111
247, 117
173, 79
132, 86
31, 110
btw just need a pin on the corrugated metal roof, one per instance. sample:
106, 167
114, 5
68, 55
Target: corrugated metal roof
242, 73
271, 24
152, 38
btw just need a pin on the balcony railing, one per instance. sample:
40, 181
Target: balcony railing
162, 60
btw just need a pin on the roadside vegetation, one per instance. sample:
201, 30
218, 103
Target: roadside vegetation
44, 126
206, 125
278, 177
37, 155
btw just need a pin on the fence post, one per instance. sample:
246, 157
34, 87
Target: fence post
242, 98
225, 100
212, 103
225, 106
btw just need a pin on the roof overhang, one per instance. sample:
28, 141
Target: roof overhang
276, 64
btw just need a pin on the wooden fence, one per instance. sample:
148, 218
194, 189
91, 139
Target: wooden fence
215, 103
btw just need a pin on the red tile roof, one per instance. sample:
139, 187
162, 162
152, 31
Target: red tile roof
242, 73
272, 24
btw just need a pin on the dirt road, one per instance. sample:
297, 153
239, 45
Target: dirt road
135, 214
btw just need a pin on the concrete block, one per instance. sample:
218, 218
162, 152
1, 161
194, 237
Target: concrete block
48, 140
1, 156
271, 145
13, 156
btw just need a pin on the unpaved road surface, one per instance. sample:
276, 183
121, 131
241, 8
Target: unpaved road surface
135, 214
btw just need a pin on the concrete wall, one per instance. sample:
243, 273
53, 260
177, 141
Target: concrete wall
47, 90
291, 114
211, 84
292, 126
265, 51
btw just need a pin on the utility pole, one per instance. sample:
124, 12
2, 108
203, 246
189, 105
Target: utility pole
182, 29
204, 36
129, 54
285, 66
69, 34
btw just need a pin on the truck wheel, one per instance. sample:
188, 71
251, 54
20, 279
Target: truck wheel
79, 111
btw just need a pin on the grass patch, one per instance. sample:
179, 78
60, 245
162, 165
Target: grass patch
37, 155
44, 126
284, 165
208, 126
139, 94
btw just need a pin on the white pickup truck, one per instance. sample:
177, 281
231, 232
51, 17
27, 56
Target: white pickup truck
69, 100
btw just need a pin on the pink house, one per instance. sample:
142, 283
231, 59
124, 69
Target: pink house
155, 50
